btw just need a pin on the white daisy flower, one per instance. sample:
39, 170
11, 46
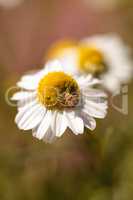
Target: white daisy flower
66, 52
52, 101
105, 56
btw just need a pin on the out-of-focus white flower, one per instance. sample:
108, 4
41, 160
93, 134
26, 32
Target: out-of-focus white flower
66, 52
52, 101
10, 3
103, 4
104, 56
116, 57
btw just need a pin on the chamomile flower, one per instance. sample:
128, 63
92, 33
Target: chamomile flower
66, 52
103, 56
52, 100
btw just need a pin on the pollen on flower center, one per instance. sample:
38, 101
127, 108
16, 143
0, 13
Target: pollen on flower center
58, 90
91, 60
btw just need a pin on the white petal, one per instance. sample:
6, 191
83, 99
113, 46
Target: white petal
44, 126
59, 123
95, 110
94, 81
93, 93
53, 65
49, 136
79, 125
87, 81
25, 108
30, 81
29, 118
23, 105
98, 105
37, 75
32, 85
89, 121
69, 60
111, 83
75, 123
23, 95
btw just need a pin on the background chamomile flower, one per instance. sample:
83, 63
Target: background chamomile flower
104, 56
116, 64
53, 101
66, 52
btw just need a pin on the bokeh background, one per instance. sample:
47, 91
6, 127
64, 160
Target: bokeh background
94, 166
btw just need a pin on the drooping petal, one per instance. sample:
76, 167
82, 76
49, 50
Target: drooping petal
89, 121
44, 126
59, 123
24, 108
25, 104
23, 95
30, 117
49, 137
98, 105
75, 123
94, 111
93, 93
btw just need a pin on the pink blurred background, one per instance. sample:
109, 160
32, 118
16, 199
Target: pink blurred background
27, 30
94, 166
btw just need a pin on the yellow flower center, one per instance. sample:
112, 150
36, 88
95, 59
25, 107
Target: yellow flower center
91, 60
60, 48
58, 90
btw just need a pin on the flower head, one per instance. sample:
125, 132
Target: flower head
53, 100
91, 60
57, 90
103, 56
